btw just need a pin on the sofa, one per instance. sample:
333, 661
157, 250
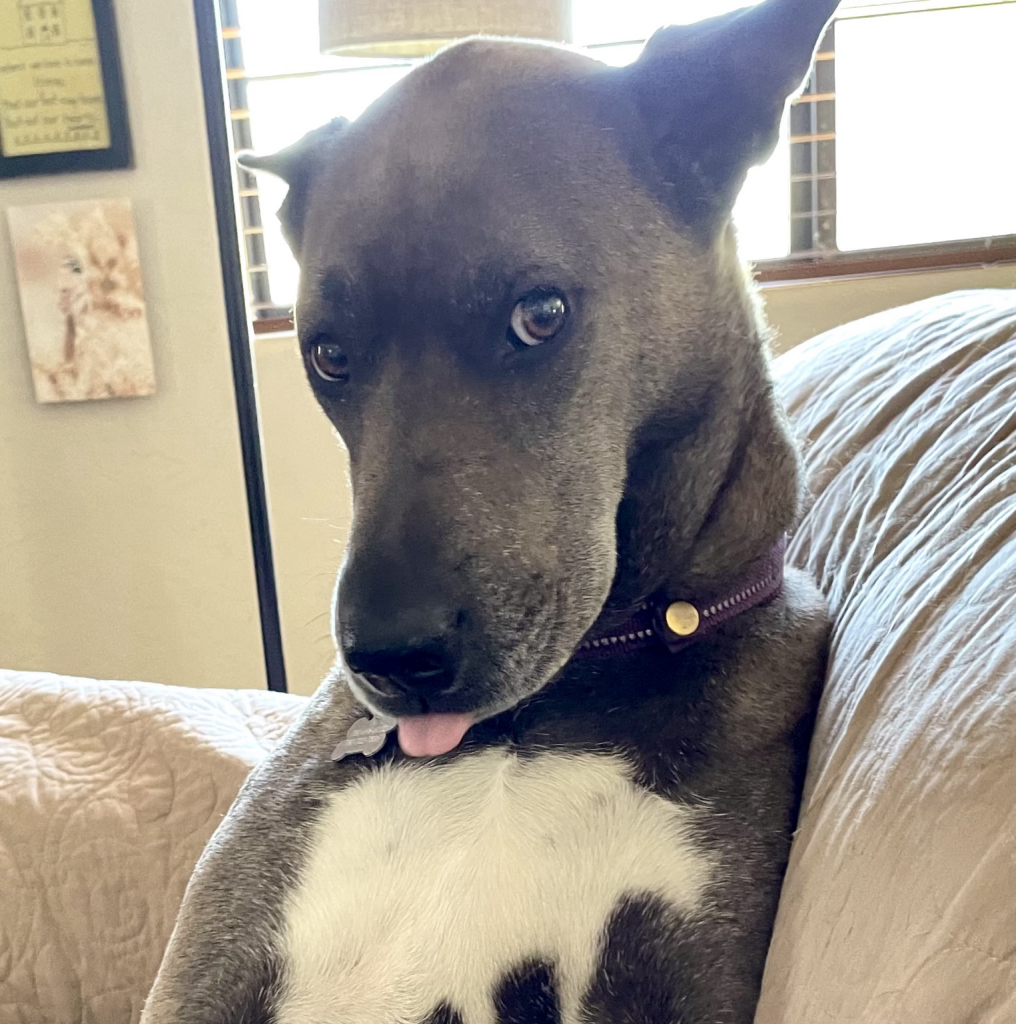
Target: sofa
899, 905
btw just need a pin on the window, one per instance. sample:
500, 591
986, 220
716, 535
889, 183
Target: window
926, 122
905, 134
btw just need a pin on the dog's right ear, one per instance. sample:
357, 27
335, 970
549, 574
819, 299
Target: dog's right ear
712, 93
297, 165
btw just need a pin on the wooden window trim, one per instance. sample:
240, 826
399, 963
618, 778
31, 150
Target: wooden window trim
274, 325
829, 266
874, 262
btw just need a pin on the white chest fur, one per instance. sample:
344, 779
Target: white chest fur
428, 883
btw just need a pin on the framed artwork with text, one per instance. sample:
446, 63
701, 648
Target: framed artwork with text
62, 105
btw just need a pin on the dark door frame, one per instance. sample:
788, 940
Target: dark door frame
216, 113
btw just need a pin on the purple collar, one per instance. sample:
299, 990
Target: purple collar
678, 623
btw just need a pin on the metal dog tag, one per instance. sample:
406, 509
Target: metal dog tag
366, 736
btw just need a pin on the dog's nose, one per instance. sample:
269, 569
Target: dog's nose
406, 651
424, 670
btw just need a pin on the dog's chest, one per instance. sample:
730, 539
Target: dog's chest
427, 885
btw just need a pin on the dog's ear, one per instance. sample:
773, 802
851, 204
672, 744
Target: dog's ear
297, 165
712, 95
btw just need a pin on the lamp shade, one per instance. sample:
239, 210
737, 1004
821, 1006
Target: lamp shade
416, 28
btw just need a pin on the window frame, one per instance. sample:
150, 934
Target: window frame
820, 260
966, 253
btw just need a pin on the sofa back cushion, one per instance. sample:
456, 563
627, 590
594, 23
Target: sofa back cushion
900, 901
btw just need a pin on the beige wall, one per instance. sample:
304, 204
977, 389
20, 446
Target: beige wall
306, 466
124, 545
801, 310
309, 497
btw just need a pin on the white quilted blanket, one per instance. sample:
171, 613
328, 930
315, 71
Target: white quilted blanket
109, 793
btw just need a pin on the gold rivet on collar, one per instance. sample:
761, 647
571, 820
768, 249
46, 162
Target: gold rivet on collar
682, 618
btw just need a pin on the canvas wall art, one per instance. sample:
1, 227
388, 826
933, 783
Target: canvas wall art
82, 300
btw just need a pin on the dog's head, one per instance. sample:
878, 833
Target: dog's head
522, 308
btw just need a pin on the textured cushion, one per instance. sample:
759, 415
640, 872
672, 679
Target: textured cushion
900, 902
109, 793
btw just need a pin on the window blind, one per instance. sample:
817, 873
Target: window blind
259, 300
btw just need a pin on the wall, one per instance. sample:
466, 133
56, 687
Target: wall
803, 309
124, 545
306, 466
310, 507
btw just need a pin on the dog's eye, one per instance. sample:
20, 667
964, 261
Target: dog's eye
537, 317
329, 361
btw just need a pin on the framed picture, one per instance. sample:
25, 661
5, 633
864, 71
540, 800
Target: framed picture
62, 104
82, 300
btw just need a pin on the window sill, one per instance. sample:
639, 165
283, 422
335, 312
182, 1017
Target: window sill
969, 252
863, 263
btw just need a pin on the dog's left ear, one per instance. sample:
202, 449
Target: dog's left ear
297, 165
712, 95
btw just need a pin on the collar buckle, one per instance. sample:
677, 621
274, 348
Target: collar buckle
682, 622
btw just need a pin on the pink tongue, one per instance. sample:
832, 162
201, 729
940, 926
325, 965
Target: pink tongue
430, 735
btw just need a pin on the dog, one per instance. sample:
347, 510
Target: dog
555, 772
